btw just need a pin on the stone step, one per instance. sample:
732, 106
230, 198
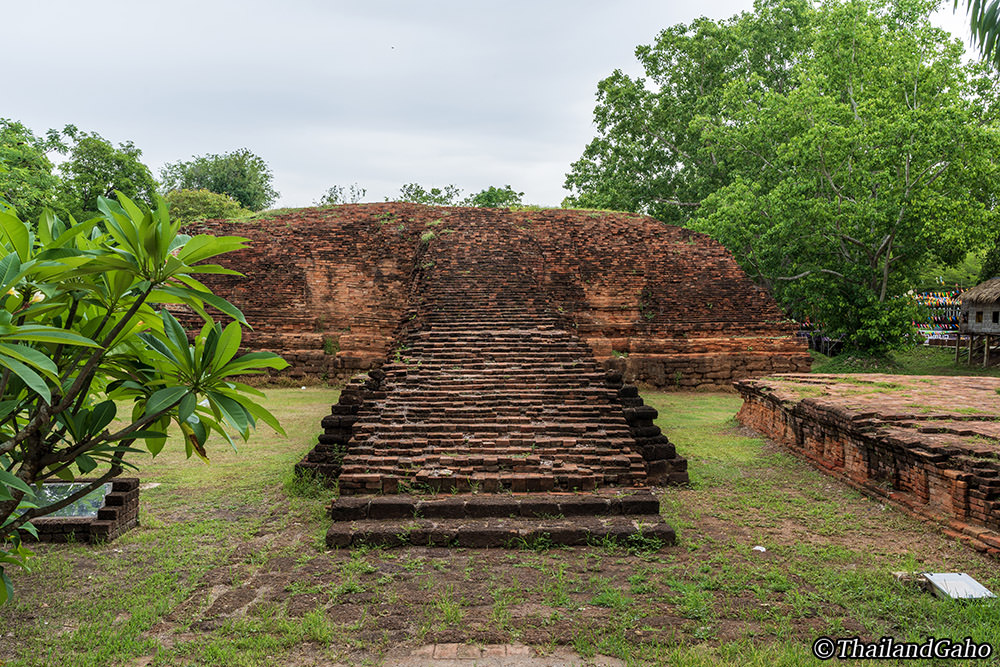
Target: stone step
629, 516
647, 533
638, 501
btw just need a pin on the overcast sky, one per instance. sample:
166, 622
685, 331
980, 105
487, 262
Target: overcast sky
374, 92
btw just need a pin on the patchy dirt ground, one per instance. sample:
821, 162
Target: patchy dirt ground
238, 574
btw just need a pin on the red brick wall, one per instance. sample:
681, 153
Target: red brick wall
327, 289
923, 481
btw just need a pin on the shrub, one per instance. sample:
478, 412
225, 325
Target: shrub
202, 204
82, 334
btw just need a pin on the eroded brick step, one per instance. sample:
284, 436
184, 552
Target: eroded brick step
543, 386
651, 533
473, 461
471, 374
561, 448
483, 459
477, 506
488, 388
567, 427
447, 326
532, 480
549, 333
527, 355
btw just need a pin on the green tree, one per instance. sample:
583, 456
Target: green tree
338, 194
991, 263
833, 183
449, 195
188, 205
242, 175
95, 168
648, 156
494, 197
82, 334
27, 181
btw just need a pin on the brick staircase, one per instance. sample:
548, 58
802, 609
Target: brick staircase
489, 389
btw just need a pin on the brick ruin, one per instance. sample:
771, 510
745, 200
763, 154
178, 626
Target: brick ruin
489, 389
118, 515
330, 288
500, 349
929, 445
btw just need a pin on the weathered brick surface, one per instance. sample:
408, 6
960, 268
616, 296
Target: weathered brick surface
508, 520
119, 515
489, 388
931, 445
328, 289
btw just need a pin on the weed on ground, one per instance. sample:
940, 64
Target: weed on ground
230, 567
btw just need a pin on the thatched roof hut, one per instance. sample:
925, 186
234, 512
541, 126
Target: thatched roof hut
980, 312
983, 293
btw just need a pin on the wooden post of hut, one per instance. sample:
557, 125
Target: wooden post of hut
980, 317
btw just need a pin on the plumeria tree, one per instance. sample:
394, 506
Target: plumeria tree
94, 369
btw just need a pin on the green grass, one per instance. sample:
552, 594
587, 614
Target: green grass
918, 361
245, 525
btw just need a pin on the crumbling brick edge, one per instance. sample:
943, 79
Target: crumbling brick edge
927, 486
119, 515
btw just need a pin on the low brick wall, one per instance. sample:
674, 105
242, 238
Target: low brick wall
715, 364
937, 465
119, 515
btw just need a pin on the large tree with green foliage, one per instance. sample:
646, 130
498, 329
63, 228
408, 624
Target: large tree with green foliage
649, 155
833, 169
91, 363
242, 175
27, 180
96, 168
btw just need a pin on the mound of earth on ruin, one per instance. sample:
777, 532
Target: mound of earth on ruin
330, 288
929, 444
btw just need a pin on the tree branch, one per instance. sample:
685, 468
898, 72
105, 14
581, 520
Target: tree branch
812, 271
676, 202
32, 513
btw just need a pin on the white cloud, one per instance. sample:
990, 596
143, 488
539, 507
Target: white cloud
380, 93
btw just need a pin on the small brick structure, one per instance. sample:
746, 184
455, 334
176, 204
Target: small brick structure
119, 514
929, 445
329, 288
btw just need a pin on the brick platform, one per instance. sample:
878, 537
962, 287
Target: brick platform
119, 515
930, 445
328, 288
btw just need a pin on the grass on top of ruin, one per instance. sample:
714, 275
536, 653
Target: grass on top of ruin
229, 567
